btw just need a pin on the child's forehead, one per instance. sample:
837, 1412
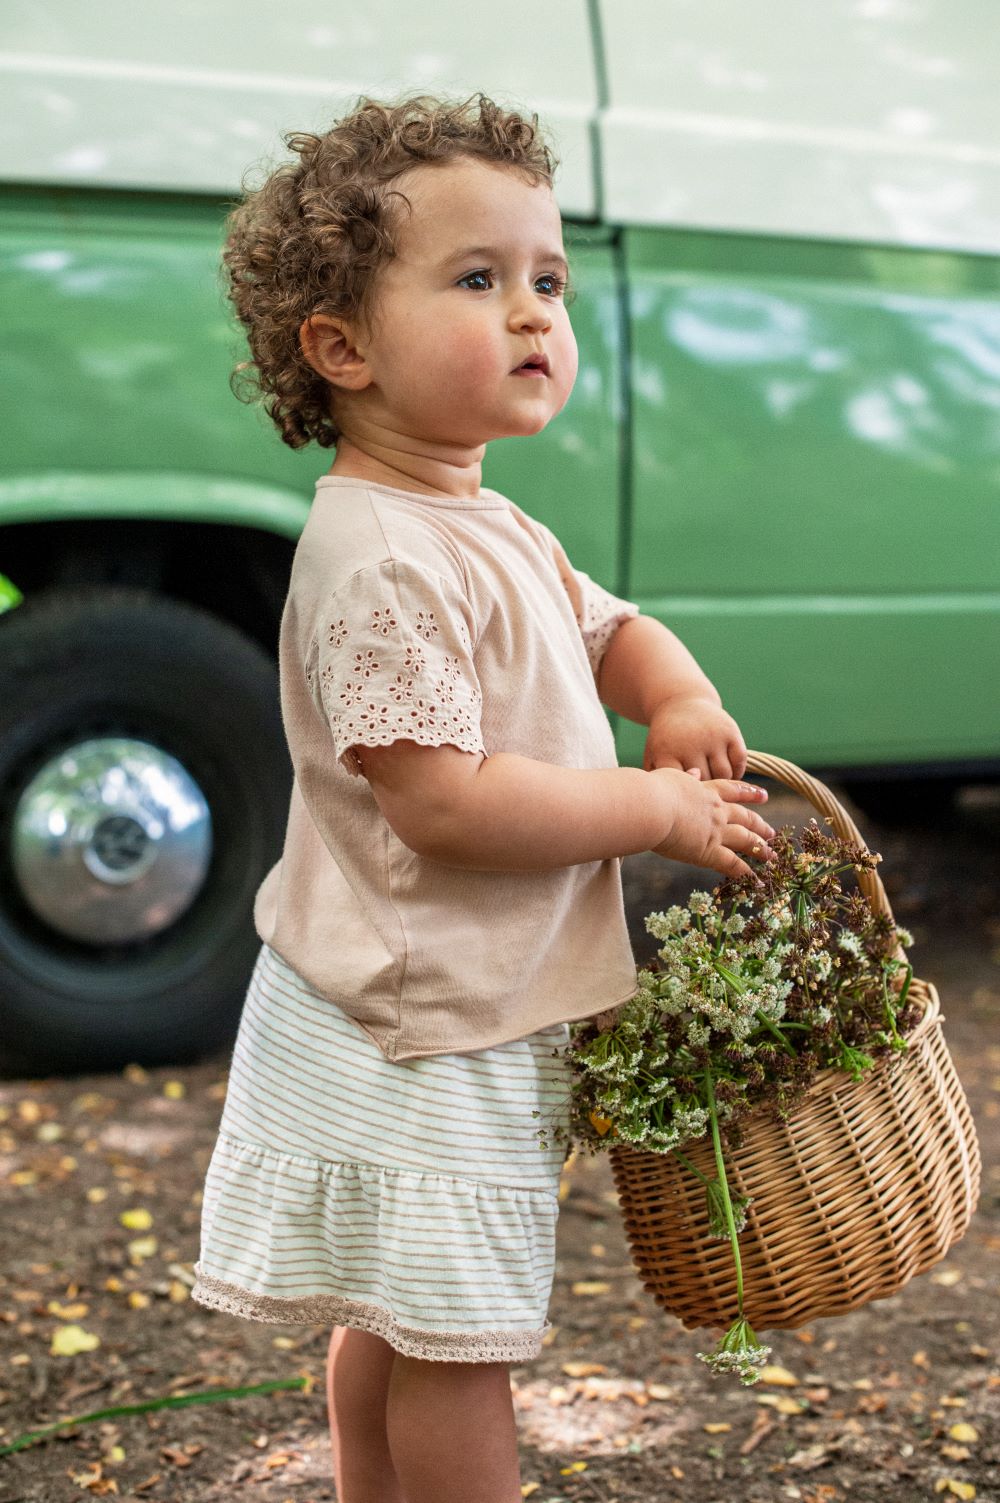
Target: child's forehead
466, 200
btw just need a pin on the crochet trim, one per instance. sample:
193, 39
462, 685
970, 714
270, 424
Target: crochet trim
326, 1309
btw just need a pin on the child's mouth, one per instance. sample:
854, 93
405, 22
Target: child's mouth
535, 365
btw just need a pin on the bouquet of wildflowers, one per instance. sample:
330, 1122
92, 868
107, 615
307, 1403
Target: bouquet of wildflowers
757, 987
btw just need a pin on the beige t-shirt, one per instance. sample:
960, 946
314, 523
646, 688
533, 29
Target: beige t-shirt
451, 621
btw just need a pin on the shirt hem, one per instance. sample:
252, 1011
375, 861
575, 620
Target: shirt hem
474, 1048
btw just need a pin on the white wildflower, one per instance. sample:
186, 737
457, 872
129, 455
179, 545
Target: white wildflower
700, 902
848, 940
821, 963
673, 921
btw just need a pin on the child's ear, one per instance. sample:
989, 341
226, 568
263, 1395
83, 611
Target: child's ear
328, 346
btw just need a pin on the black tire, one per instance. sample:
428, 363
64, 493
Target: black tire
115, 661
926, 802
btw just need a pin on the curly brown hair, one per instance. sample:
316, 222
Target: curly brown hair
314, 236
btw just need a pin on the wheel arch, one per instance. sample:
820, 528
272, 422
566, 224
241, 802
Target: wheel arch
222, 543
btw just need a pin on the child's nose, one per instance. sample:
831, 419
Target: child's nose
531, 311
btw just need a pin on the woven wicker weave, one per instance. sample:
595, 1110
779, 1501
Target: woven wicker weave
866, 1184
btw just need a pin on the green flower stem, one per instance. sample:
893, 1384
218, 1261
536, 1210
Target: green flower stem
893, 1008
730, 977
724, 1184
773, 1028
688, 1165
906, 988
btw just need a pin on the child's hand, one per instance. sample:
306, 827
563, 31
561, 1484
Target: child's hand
711, 823
694, 734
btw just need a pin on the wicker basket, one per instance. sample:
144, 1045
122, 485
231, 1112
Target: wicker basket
866, 1184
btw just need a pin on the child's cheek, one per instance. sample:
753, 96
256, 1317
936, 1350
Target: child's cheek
470, 362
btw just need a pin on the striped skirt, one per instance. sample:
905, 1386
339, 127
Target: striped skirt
410, 1198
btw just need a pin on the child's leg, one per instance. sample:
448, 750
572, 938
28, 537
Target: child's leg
357, 1382
452, 1431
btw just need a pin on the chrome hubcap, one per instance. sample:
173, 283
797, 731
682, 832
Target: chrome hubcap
112, 841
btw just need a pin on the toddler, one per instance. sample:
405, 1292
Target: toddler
449, 894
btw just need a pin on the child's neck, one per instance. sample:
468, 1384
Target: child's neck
428, 473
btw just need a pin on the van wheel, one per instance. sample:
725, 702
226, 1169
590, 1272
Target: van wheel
144, 786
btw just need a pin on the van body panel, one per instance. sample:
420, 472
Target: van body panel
164, 495
185, 98
118, 326
848, 681
816, 481
874, 123
118, 323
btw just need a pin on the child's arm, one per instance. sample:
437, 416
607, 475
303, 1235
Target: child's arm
512, 813
649, 676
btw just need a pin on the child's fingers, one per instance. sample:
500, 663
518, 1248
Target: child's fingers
750, 840
735, 791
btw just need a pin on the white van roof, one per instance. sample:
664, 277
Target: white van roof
186, 96
873, 121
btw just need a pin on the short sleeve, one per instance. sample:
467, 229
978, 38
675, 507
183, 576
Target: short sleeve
394, 661
599, 613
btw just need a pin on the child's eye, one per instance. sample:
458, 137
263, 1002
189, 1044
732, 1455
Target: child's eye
556, 285
484, 277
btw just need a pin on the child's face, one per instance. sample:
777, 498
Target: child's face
474, 290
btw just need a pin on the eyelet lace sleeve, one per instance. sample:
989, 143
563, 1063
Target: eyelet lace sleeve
393, 661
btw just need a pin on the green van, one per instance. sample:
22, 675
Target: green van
784, 440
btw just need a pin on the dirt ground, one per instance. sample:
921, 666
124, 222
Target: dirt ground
895, 1403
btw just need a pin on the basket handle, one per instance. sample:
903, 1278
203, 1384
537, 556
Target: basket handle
822, 799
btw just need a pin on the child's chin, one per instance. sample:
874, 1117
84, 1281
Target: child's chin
527, 424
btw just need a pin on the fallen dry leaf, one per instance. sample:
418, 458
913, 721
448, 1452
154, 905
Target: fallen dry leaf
138, 1219
583, 1369
590, 1286
955, 1453
277, 1459
68, 1341
66, 1312
175, 1456
967, 1434
779, 1376
141, 1248
958, 1489
812, 1457
716, 1429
